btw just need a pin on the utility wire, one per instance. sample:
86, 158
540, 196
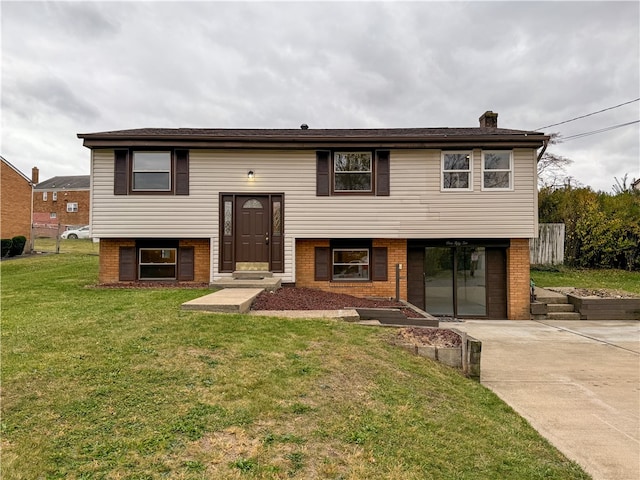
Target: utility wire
606, 129
588, 114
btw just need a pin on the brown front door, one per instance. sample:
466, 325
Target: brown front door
252, 232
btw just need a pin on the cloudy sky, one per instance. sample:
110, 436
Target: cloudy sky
94, 66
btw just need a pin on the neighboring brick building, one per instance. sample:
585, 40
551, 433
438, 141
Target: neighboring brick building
16, 201
62, 201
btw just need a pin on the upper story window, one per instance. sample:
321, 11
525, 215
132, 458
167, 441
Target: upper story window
44, 196
151, 171
54, 196
72, 207
497, 170
147, 172
456, 171
352, 172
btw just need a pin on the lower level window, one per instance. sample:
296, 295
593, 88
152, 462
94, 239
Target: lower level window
350, 264
72, 207
157, 264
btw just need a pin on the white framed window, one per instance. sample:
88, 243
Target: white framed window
44, 196
352, 172
151, 171
456, 171
350, 264
157, 264
54, 196
497, 170
53, 215
72, 207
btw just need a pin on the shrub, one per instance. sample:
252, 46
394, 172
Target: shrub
17, 245
6, 246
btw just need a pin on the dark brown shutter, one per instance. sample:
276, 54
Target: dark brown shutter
323, 177
185, 264
182, 172
379, 267
121, 175
382, 173
322, 264
127, 264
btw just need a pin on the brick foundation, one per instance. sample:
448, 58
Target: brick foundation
518, 280
109, 258
396, 253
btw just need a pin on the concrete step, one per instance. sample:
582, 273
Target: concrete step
251, 274
559, 307
549, 297
269, 284
229, 300
563, 316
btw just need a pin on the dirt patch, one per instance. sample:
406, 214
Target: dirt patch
594, 292
295, 298
436, 337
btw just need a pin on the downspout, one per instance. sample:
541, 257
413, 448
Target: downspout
544, 149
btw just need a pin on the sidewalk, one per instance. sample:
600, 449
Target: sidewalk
576, 382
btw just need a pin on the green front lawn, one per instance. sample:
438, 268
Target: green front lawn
122, 384
587, 278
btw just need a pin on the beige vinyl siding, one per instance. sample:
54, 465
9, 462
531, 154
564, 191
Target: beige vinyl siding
416, 208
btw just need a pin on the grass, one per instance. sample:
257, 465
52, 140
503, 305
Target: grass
122, 384
49, 245
586, 278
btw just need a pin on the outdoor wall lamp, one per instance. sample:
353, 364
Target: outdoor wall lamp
250, 174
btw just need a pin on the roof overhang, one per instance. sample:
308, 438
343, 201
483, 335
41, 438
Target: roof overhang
439, 141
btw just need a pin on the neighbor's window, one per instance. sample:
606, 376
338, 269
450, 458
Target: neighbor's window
497, 170
53, 215
151, 171
456, 170
350, 264
54, 196
352, 172
44, 196
157, 264
72, 207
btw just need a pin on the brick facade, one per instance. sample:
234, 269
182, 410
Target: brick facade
59, 206
518, 280
396, 254
110, 256
202, 258
16, 203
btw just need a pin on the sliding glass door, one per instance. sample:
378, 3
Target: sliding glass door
455, 281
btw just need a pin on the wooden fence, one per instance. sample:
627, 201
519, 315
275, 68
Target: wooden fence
548, 248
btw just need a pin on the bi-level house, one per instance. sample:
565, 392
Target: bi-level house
441, 217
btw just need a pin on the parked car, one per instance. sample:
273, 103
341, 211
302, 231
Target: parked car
82, 232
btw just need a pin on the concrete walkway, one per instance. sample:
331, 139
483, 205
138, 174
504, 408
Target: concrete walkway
576, 382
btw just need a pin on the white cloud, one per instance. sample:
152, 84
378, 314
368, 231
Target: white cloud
72, 67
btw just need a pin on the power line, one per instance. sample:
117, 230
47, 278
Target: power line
588, 114
606, 129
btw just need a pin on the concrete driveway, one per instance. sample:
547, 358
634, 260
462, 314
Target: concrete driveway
576, 382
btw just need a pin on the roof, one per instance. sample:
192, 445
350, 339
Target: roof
15, 169
74, 182
310, 138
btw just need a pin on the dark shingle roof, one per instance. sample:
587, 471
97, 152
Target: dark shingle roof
74, 182
310, 138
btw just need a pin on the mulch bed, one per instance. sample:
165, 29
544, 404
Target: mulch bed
429, 336
295, 298
595, 292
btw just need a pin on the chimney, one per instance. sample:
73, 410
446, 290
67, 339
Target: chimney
489, 120
35, 175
